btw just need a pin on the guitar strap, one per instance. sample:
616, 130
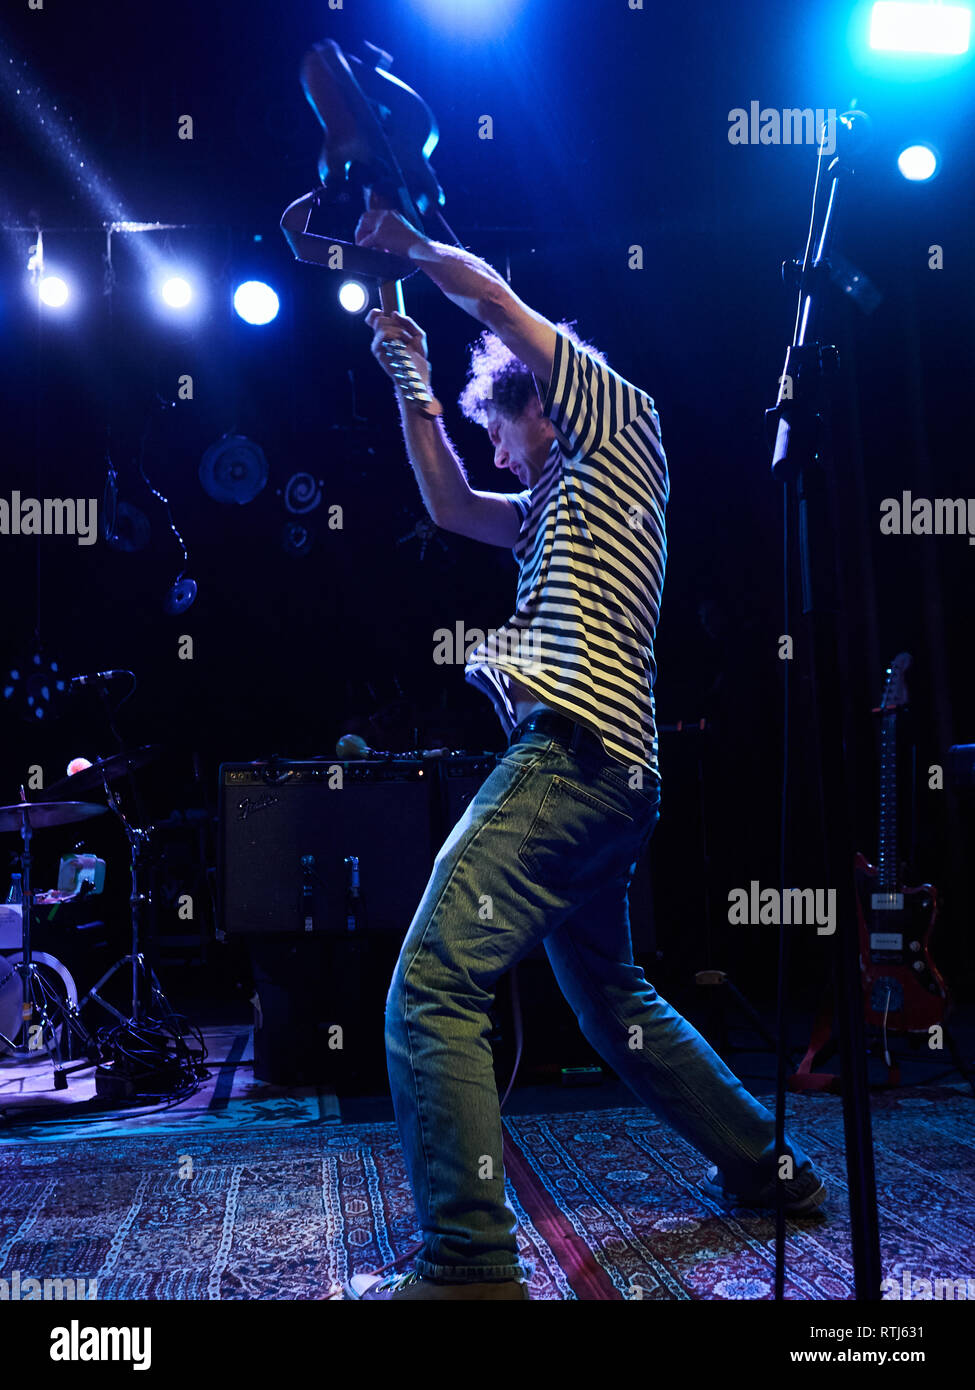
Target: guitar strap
334, 254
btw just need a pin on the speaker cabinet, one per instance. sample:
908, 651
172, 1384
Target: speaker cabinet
316, 847
321, 868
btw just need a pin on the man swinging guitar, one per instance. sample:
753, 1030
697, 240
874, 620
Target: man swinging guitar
550, 841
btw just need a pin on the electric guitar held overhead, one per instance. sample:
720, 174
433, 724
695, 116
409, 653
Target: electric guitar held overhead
903, 989
378, 136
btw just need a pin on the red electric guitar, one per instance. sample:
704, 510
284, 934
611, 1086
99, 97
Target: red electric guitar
903, 991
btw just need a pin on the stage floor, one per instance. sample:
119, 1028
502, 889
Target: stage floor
249, 1191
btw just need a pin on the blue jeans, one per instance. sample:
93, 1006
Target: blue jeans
544, 853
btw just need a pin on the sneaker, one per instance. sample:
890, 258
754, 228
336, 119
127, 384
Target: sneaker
412, 1286
802, 1197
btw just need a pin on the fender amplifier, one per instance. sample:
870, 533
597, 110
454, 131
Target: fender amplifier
325, 847
332, 858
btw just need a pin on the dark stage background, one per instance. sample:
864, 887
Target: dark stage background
610, 129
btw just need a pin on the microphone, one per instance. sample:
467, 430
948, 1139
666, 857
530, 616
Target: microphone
854, 130
852, 137
96, 678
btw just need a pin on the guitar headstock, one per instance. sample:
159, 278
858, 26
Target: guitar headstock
895, 685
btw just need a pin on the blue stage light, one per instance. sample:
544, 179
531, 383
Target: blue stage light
473, 16
917, 163
256, 302
920, 28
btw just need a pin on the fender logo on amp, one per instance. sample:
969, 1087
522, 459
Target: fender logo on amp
247, 807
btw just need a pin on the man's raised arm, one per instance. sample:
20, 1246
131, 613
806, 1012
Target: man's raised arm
447, 495
471, 284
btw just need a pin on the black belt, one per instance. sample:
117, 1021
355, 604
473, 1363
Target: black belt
558, 726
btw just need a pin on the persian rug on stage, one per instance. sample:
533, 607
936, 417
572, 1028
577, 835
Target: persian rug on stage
608, 1207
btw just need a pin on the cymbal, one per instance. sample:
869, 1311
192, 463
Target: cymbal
41, 814
105, 770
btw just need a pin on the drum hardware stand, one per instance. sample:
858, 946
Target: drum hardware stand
138, 839
39, 998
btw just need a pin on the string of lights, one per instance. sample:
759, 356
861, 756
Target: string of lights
254, 301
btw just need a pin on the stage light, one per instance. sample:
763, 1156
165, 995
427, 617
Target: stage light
475, 17
256, 302
353, 297
52, 291
920, 28
178, 298
176, 292
918, 163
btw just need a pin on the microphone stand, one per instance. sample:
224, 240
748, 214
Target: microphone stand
802, 460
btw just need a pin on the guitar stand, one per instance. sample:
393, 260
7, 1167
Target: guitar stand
831, 1082
915, 1040
966, 1068
822, 1046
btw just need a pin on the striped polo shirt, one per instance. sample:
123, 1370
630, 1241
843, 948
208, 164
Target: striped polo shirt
591, 556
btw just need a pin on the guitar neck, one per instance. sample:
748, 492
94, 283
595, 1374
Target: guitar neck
887, 864
414, 390
391, 297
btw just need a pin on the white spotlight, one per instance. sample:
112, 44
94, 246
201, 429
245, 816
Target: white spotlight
917, 163
920, 28
256, 302
52, 291
353, 297
177, 292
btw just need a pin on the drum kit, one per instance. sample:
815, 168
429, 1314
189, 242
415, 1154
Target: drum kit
40, 1012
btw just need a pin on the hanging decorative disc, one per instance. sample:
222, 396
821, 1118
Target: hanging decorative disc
130, 530
234, 469
295, 538
180, 596
302, 493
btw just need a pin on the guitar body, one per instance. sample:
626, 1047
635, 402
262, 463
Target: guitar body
408, 125
378, 131
903, 990
378, 135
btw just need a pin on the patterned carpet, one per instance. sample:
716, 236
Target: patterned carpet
607, 1202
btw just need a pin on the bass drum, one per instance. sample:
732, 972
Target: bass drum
60, 984
11, 926
11, 998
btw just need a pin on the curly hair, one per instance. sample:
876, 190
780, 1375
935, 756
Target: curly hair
495, 374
